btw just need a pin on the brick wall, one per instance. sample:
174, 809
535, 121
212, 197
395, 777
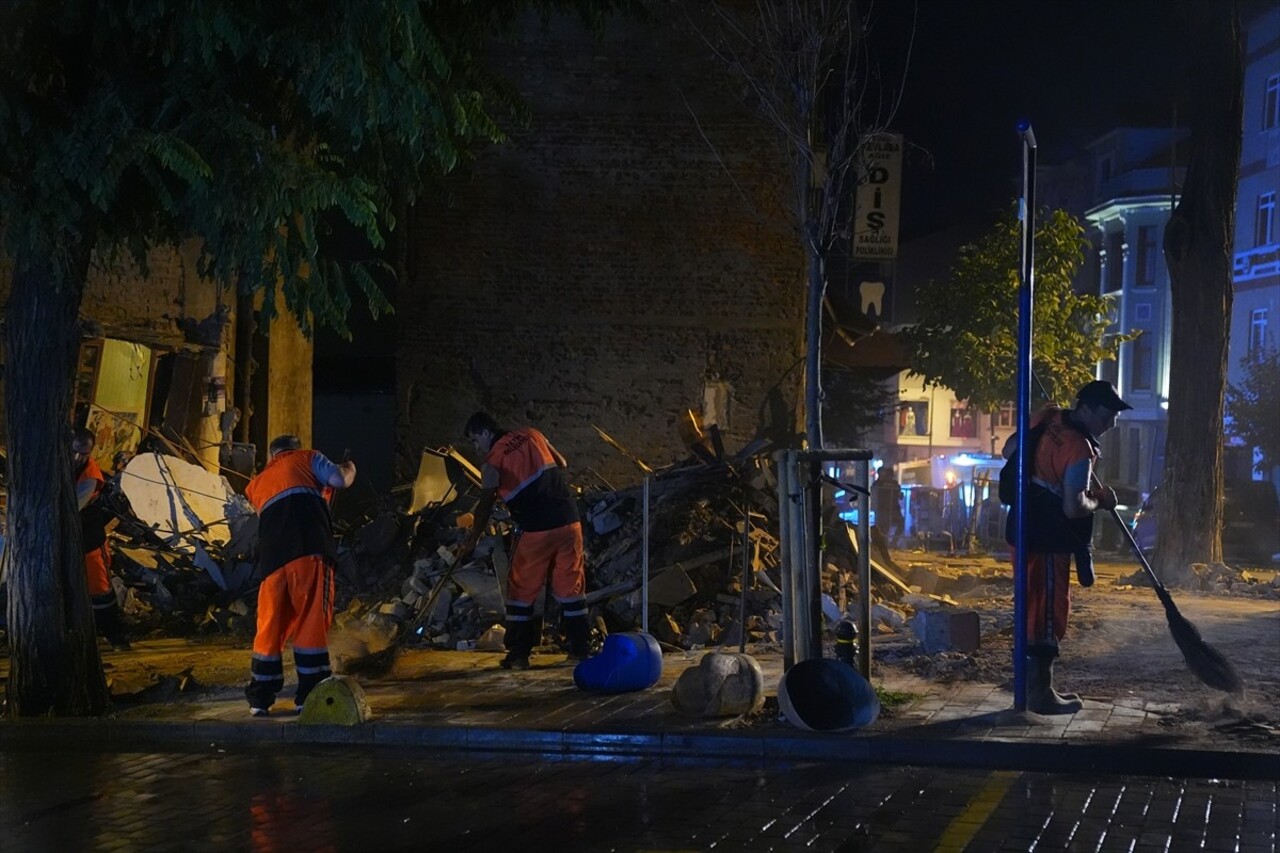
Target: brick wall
604, 265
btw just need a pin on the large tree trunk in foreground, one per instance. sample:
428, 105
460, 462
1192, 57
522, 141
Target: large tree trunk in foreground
1197, 247
54, 664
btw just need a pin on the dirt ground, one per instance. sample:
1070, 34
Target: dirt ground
1118, 642
1118, 646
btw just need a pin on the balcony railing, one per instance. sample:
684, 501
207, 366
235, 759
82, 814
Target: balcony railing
1257, 262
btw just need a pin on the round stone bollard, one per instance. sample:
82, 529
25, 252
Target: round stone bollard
336, 701
721, 685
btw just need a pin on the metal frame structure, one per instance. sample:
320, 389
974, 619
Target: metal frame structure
799, 519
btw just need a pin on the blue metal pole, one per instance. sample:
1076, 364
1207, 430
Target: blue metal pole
1026, 303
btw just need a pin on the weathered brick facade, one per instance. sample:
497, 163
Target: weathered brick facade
607, 264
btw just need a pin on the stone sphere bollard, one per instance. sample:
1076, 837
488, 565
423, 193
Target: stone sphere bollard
721, 685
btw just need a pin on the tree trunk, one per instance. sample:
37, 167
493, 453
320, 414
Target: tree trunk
54, 663
1197, 247
816, 290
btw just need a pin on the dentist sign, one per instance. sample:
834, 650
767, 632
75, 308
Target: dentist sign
875, 218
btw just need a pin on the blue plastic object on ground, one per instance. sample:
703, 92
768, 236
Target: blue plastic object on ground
627, 662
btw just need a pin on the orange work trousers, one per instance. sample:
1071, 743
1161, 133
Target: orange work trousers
295, 603
556, 552
1048, 598
96, 564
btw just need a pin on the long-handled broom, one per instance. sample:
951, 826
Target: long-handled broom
1204, 661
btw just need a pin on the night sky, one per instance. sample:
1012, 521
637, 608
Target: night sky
1075, 68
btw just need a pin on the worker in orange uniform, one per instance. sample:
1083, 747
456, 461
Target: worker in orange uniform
1064, 494
522, 468
295, 560
93, 537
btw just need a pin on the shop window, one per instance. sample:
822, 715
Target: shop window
913, 419
964, 422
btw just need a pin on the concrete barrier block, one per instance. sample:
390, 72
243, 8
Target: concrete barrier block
947, 630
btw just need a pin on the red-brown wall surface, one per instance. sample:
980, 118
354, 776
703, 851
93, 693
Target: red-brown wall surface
607, 263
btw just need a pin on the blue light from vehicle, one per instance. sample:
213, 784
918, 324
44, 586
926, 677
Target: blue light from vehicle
851, 516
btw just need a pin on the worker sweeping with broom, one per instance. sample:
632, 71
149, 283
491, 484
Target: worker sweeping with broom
1060, 505
523, 469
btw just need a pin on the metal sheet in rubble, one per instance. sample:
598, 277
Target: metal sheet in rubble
442, 476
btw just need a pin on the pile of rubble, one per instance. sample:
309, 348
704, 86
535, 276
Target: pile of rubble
1220, 579
184, 542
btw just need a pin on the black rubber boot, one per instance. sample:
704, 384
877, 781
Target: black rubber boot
519, 642
578, 632
261, 696
1062, 697
110, 626
1040, 696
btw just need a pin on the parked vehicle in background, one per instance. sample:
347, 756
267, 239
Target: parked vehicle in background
1250, 523
1106, 535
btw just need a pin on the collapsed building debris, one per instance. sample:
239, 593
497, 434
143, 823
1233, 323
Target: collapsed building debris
184, 544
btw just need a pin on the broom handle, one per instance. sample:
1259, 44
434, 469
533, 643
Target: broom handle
1133, 543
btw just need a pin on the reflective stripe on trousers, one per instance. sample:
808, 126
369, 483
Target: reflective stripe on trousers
1048, 598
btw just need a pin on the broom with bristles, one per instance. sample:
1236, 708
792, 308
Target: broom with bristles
1205, 662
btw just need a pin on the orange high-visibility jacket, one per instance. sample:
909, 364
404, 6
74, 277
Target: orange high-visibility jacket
293, 514
530, 482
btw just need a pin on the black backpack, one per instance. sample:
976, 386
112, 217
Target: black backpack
1009, 473
1048, 529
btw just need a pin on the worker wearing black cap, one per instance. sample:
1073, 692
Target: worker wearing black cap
1061, 501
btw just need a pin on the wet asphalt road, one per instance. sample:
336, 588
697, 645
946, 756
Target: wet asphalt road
313, 800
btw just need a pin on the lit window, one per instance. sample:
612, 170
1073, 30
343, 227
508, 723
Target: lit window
1115, 261
913, 419
1257, 332
964, 422
1271, 103
1264, 222
1145, 272
1140, 373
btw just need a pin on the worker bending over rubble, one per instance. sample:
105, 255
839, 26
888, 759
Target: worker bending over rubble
295, 560
93, 537
521, 467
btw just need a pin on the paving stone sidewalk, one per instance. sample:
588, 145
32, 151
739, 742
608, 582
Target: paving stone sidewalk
462, 700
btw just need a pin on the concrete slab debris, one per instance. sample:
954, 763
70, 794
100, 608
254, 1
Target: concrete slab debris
180, 501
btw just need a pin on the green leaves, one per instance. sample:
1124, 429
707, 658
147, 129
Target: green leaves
1251, 405
967, 335
244, 125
